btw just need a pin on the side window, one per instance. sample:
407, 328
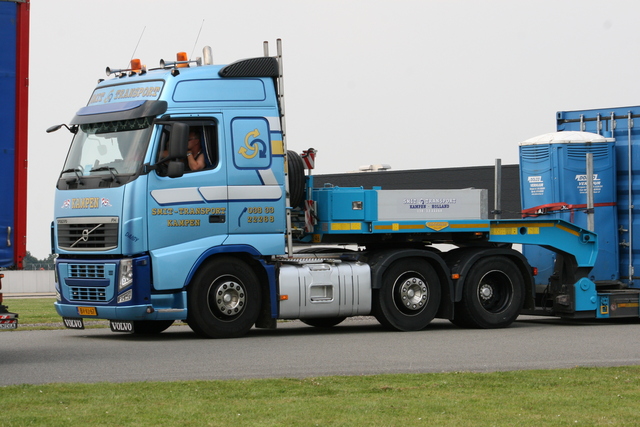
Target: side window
202, 148
210, 145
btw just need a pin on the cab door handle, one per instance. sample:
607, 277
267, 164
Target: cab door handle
217, 219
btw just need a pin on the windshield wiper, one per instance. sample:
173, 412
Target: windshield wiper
75, 170
110, 169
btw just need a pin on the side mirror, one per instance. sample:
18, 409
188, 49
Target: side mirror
73, 129
172, 162
178, 141
175, 169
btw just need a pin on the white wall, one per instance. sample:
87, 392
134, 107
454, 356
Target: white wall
27, 282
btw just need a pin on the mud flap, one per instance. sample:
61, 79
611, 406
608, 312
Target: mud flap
73, 323
121, 326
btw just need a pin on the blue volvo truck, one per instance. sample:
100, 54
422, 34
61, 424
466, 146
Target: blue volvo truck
180, 200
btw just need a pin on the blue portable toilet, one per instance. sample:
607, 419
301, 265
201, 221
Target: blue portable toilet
553, 183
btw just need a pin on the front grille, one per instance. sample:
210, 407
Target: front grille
88, 234
87, 271
87, 294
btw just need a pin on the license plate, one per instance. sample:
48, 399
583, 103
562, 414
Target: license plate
8, 325
72, 323
87, 311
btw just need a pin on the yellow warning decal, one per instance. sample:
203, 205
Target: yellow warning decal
504, 231
345, 226
510, 230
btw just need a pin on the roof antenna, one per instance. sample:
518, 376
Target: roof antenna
136, 48
194, 45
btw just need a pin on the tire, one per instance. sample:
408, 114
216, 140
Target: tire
409, 296
150, 327
223, 299
323, 322
296, 179
493, 295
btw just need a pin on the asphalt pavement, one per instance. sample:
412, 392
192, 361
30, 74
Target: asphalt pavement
358, 346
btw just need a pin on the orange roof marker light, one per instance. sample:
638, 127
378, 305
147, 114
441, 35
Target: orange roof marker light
182, 61
136, 65
136, 68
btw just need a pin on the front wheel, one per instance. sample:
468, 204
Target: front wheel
224, 299
409, 296
493, 294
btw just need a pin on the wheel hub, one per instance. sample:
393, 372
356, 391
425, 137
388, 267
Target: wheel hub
413, 293
486, 291
230, 298
495, 291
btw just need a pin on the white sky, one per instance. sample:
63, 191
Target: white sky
411, 83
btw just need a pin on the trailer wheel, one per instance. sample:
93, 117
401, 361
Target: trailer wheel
224, 299
150, 327
323, 322
409, 297
493, 295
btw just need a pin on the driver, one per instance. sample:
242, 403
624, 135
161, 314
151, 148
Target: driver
195, 158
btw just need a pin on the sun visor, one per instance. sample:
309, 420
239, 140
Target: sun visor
119, 111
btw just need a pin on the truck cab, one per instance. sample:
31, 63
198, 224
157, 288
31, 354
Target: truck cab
128, 204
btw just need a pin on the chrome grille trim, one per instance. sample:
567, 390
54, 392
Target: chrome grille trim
88, 234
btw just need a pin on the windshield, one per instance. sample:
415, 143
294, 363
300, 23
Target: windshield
111, 148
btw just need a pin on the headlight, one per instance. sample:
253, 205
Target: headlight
126, 274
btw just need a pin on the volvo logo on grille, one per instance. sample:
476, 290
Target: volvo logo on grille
85, 235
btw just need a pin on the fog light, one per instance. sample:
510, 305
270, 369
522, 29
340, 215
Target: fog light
125, 296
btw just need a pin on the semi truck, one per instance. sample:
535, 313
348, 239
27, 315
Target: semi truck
179, 200
14, 83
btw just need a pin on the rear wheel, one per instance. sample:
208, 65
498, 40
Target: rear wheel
493, 294
150, 327
409, 297
323, 322
224, 299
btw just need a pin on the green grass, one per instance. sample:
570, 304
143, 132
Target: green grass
35, 313
580, 396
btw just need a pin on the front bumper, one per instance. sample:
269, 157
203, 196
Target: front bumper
99, 289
